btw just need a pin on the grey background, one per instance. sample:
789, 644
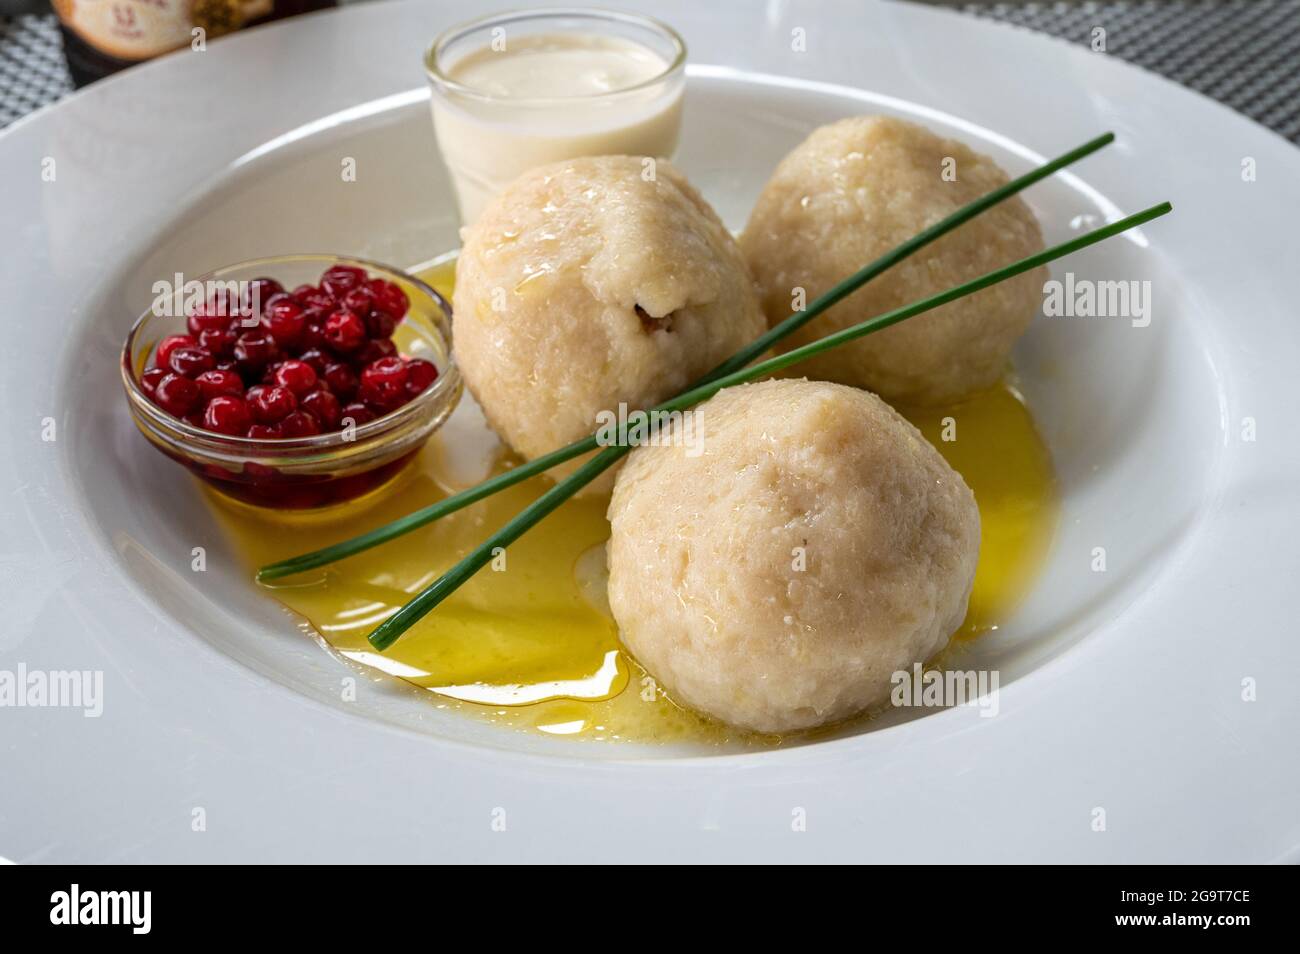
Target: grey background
1244, 53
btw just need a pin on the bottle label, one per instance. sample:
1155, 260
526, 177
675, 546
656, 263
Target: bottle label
140, 29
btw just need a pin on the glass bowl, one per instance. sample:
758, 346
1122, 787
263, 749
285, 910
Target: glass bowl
307, 472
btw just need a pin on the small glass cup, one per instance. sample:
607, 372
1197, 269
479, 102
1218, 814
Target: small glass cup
488, 137
307, 472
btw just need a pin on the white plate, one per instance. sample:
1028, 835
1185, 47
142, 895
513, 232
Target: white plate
1122, 690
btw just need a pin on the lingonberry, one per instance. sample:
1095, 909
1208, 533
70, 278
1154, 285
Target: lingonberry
170, 344
383, 382
254, 350
419, 375
317, 358
216, 383
263, 432
309, 296
357, 300
204, 319
380, 324
191, 362
323, 406
373, 350
344, 332
341, 380
298, 376
357, 414
149, 380
269, 404
285, 321
338, 280
226, 414
259, 293
299, 424
388, 297
220, 342
176, 394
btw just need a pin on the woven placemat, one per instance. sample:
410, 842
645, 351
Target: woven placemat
1244, 53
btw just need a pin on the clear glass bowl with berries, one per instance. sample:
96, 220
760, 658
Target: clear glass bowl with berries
293, 382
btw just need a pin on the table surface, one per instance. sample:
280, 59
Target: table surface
1244, 53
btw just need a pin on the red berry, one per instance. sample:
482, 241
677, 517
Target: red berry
220, 342
373, 350
206, 319
309, 296
191, 362
226, 414
255, 349
317, 358
388, 297
215, 383
344, 331
168, 345
285, 321
298, 376
419, 375
262, 432
380, 324
313, 332
299, 424
324, 407
358, 300
357, 413
340, 379
341, 279
149, 380
259, 293
176, 394
269, 404
383, 382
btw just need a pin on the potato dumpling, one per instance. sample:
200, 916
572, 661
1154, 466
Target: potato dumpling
778, 573
594, 282
852, 191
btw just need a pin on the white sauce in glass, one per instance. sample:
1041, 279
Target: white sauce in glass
547, 98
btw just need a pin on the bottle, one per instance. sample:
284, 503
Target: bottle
103, 36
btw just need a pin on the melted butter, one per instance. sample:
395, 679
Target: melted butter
528, 643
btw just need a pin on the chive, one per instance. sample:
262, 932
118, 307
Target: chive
538, 465
392, 628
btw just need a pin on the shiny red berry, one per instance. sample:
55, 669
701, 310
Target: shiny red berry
309, 296
259, 293
191, 362
338, 280
205, 319
220, 342
373, 350
299, 424
323, 406
270, 404
176, 394
298, 376
357, 414
285, 321
419, 375
168, 345
341, 380
383, 382
344, 332
226, 414
317, 358
262, 432
255, 349
388, 297
216, 383
149, 380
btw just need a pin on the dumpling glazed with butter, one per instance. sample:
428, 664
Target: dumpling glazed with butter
778, 573
594, 282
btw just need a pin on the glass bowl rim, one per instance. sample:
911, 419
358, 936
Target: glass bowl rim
434, 72
447, 382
